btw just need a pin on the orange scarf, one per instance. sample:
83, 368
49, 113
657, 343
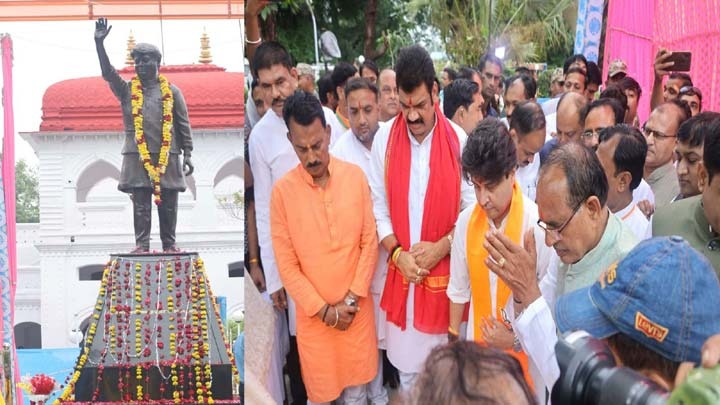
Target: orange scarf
344, 121
441, 209
480, 274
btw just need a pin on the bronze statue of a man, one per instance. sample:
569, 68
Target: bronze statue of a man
157, 130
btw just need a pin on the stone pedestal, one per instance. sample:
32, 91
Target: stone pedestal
155, 335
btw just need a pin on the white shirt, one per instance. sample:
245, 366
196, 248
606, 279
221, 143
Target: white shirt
336, 128
535, 329
251, 114
527, 177
350, 149
550, 106
459, 285
643, 192
271, 157
550, 126
635, 220
408, 349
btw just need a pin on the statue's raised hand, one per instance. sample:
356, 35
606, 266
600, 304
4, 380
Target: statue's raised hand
101, 29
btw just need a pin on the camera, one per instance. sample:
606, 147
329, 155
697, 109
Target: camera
589, 376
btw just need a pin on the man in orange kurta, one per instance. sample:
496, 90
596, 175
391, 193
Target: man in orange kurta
323, 231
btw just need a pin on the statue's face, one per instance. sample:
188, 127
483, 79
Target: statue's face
146, 67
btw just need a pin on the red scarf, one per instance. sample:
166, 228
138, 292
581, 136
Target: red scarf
441, 209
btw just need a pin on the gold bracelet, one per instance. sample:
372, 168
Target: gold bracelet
251, 261
396, 255
453, 331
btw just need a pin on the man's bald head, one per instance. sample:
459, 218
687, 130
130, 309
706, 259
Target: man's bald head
677, 108
569, 123
387, 73
571, 103
388, 98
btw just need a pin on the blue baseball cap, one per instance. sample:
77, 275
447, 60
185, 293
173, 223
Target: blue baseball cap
664, 295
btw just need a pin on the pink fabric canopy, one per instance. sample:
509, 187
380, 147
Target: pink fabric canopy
8, 251
636, 29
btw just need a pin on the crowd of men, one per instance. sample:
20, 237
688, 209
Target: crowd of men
395, 211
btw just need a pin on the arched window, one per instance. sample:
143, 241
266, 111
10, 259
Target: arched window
231, 168
28, 335
93, 175
235, 269
227, 185
91, 272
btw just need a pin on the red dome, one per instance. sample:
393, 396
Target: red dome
214, 98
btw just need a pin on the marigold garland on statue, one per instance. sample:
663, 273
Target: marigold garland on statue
153, 171
130, 302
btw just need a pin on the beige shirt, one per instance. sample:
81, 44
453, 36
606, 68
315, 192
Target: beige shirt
664, 184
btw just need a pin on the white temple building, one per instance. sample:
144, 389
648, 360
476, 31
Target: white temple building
84, 218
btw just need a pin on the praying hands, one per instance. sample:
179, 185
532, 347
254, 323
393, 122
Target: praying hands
515, 265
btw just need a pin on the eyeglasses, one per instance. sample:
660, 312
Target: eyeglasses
590, 133
656, 134
690, 91
557, 231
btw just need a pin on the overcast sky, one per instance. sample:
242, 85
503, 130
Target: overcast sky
49, 52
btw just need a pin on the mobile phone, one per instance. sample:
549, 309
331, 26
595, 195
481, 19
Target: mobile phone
682, 61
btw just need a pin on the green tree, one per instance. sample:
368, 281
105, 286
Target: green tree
531, 30
375, 29
27, 199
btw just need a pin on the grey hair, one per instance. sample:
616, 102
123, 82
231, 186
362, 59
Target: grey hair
583, 172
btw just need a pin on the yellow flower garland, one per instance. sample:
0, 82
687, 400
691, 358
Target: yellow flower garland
154, 172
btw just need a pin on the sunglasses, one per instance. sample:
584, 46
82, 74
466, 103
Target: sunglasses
690, 91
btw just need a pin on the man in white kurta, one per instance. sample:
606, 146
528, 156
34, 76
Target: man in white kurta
587, 239
489, 162
412, 134
459, 287
336, 128
624, 173
271, 157
408, 349
354, 146
527, 177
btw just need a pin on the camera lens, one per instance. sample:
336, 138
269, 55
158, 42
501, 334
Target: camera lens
588, 376
624, 386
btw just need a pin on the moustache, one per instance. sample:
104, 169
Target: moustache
313, 164
417, 121
277, 101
